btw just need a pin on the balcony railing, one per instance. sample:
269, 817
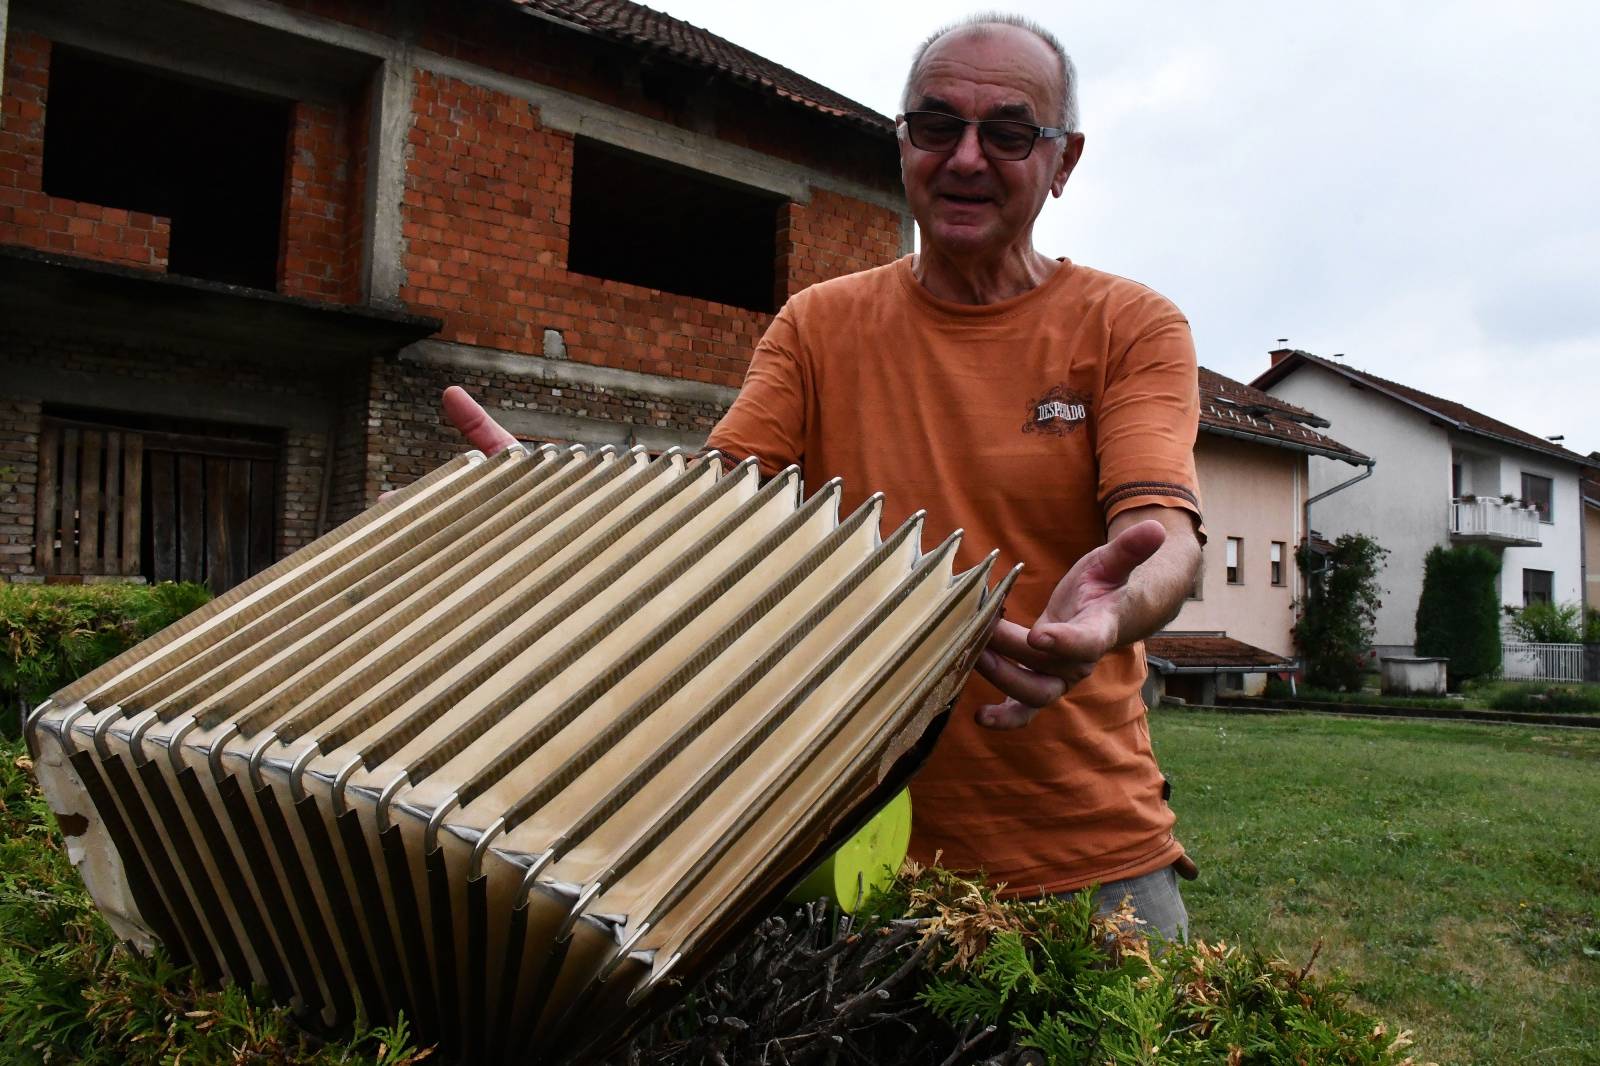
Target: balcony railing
1489, 518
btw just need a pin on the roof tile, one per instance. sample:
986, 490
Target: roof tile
1210, 651
642, 27
1461, 415
1233, 407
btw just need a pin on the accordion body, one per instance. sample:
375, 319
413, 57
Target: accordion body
519, 750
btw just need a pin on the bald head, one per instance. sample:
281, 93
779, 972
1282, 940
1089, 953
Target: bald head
995, 23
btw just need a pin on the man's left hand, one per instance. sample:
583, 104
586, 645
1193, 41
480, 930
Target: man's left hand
1082, 622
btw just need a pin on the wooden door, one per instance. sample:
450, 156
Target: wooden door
209, 509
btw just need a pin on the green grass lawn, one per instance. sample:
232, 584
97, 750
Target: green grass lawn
1451, 871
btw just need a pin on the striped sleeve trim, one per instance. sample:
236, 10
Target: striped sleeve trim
1151, 488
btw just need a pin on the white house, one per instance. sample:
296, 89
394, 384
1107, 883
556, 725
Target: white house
1445, 474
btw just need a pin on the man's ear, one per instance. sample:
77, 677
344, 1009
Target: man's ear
1071, 152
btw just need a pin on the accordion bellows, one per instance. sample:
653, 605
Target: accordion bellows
520, 749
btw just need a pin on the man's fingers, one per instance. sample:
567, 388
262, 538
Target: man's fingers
1128, 549
474, 423
1011, 640
1021, 684
1007, 714
1084, 639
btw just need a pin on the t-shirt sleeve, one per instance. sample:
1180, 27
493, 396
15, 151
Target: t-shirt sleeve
1149, 414
768, 418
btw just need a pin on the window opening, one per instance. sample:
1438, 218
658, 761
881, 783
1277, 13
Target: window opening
208, 158
646, 222
1538, 586
1537, 493
1278, 547
1235, 550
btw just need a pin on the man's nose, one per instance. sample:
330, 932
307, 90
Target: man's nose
968, 156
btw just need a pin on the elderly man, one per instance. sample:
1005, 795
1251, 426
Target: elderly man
1046, 408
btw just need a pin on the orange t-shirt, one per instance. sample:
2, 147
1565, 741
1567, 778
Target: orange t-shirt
1028, 424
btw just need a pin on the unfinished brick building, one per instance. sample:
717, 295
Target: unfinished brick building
244, 245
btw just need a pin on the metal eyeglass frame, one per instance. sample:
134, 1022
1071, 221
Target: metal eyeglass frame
1045, 133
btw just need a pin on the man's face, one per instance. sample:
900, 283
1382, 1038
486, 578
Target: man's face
969, 206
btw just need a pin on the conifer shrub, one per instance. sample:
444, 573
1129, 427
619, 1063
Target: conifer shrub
1458, 614
1337, 620
52, 634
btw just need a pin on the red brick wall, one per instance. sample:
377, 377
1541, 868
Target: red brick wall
50, 223
485, 217
831, 236
19, 471
319, 230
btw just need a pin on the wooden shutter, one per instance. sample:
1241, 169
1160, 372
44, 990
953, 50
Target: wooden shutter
87, 517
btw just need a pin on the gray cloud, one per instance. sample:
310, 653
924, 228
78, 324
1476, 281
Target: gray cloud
1410, 184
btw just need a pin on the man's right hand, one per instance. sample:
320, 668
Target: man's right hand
474, 423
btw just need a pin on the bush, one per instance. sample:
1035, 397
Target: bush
1335, 627
1458, 615
53, 634
934, 965
1591, 628
1541, 696
1549, 623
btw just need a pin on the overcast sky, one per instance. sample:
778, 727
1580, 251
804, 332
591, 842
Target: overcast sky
1414, 185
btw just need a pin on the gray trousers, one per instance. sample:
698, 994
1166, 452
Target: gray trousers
1156, 900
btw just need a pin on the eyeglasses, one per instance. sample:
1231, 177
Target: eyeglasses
1000, 138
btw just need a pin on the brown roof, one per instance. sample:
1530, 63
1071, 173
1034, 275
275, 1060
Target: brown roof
1457, 415
641, 27
1232, 408
1190, 651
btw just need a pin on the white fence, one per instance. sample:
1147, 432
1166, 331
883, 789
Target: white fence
1491, 518
1541, 662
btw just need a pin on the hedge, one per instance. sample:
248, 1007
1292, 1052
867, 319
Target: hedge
52, 634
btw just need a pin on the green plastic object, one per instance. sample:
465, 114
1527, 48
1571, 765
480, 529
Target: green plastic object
866, 861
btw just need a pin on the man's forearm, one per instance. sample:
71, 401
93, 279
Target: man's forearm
1156, 591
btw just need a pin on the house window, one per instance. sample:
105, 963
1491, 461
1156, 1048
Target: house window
646, 222
1235, 551
208, 159
1537, 492
1278, 548
1538, 586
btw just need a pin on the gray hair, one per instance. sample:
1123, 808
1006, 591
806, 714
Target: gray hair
1069, 73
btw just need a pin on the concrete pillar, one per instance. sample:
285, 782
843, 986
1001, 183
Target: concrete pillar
383, 251
5, 6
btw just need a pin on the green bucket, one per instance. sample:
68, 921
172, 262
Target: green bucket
866, 861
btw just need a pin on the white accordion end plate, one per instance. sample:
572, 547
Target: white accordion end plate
519, 750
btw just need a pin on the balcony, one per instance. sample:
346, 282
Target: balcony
1491, 520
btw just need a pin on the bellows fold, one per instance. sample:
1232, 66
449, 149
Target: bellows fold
519, 750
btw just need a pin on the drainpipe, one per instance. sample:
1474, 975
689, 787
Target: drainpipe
1370, 463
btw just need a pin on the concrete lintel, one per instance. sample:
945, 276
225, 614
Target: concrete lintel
465, 357
581, 116
580, 429
383, 251
576, 114
217, 403
328, 31
247, 55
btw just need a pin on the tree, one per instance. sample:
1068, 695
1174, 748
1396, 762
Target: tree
1336, 624
1549, 623
1458, 616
